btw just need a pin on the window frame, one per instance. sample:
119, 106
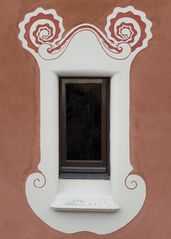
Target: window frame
84, 169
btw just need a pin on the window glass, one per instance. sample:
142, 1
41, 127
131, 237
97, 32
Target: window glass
84, 127
83, 113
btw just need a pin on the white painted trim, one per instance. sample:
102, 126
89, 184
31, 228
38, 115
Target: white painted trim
82, 55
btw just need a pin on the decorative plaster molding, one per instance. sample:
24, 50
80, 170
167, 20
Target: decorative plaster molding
127, 30
85, 50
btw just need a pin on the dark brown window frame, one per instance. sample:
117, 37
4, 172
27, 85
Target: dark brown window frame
88, 168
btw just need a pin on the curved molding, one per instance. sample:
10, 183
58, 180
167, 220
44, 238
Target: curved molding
127, 30
85, 51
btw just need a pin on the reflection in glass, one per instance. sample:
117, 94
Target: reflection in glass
83, 112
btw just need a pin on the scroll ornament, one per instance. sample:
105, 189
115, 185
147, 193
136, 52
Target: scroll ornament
127, 30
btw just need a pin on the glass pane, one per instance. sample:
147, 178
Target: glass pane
83, 112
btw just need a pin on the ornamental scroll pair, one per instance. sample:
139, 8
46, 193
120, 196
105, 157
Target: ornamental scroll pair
85, 50
126, 31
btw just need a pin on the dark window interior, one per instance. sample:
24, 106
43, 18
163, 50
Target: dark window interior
84, 127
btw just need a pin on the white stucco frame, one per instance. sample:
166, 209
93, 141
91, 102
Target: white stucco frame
107, 205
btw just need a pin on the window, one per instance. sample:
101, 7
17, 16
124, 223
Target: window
84, 127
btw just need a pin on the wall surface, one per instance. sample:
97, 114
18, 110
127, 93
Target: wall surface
150, 118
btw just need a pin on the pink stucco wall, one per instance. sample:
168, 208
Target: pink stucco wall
150, 118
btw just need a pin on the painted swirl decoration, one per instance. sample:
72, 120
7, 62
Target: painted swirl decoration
131, 182
126, 30
39, 180
126, 27
43, 26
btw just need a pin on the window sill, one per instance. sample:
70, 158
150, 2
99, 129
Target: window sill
84, 195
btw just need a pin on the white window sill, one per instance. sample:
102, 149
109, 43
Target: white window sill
84, 195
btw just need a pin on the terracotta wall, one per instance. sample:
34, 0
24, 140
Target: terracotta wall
150, 118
